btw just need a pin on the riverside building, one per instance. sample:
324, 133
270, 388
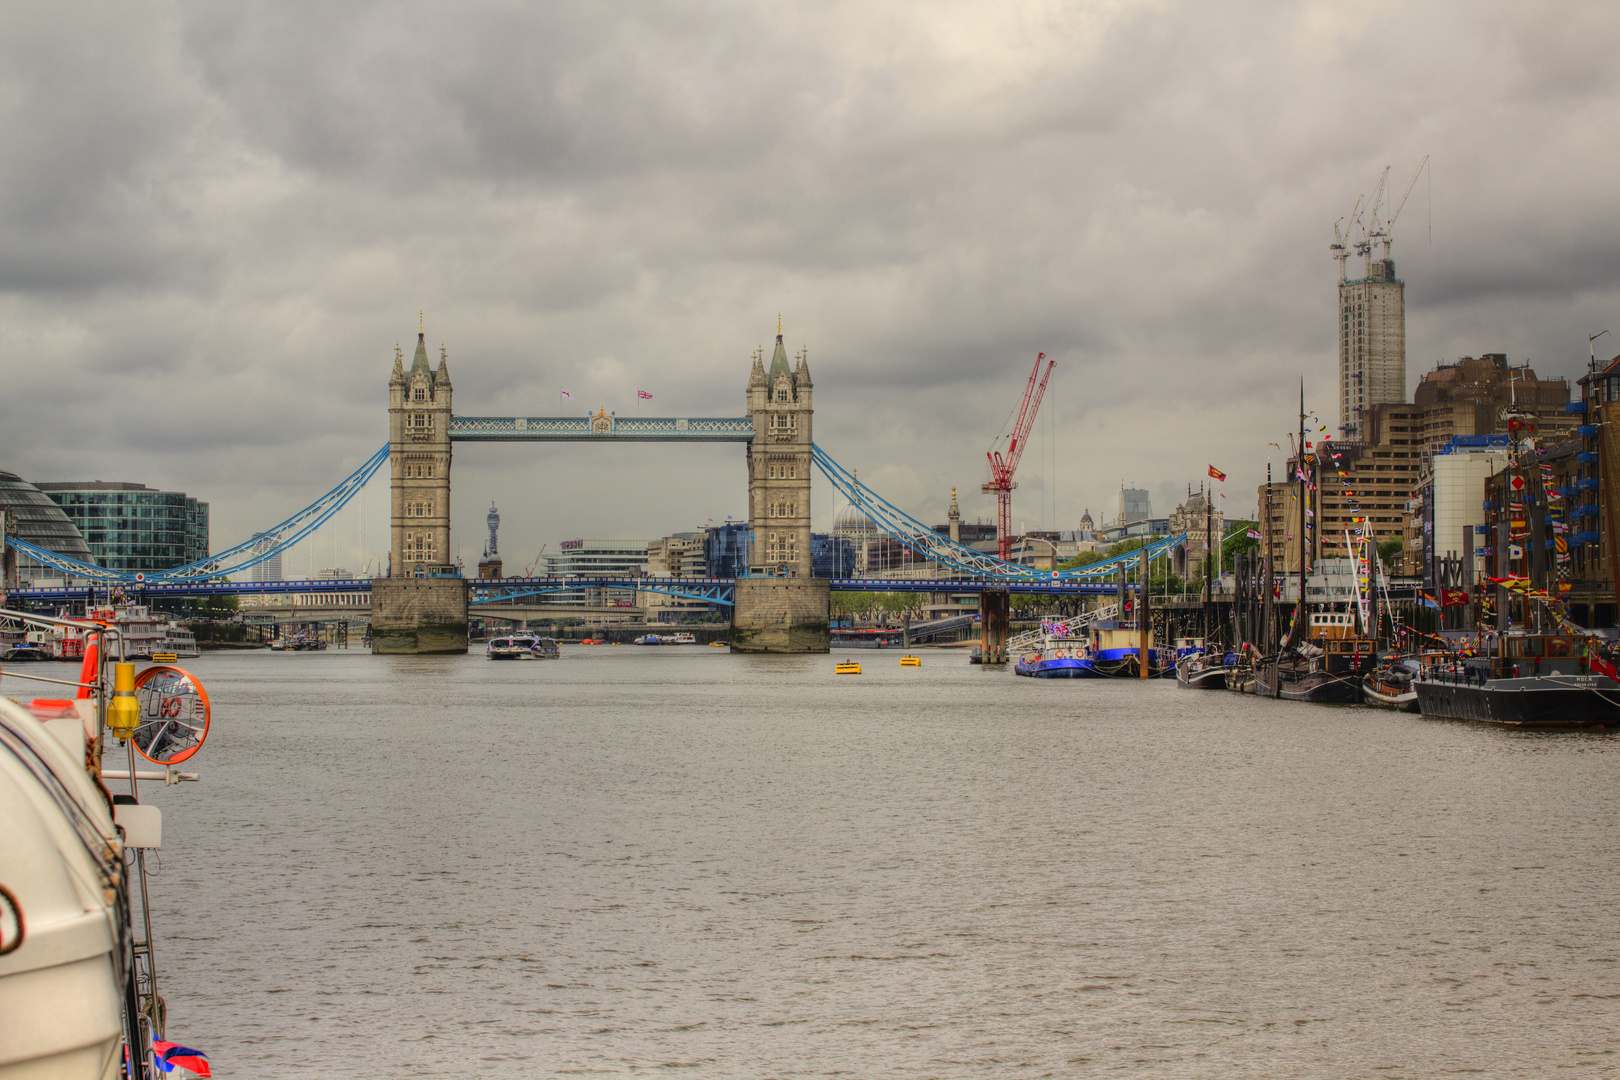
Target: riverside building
32, 517
133, 527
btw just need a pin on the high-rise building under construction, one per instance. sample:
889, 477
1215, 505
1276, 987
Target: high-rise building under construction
1372, 313
1372, 345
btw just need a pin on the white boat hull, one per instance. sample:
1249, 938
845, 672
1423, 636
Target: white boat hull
60, 996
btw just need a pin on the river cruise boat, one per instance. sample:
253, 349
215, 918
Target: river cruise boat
521, 647
666, 639
1528, 681
1056, 658
144, 632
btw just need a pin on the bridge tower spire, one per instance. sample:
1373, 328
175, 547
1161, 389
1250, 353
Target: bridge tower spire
419, 463
779, 403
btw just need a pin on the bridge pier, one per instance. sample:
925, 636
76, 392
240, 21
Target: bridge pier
418, 615
781, 615
995, 614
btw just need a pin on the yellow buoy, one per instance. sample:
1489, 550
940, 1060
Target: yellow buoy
910, 661
847, 667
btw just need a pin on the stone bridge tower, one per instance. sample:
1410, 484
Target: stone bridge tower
412, 612
419, 462
779, 466
781, 606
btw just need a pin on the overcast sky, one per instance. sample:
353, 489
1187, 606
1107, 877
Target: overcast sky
218, 220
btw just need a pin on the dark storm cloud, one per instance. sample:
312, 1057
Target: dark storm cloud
219, 220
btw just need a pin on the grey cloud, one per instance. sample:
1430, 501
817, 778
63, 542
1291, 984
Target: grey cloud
220, 219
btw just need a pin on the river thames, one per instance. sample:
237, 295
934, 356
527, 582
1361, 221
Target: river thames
657, 860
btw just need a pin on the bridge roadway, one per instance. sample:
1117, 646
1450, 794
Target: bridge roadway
495, 590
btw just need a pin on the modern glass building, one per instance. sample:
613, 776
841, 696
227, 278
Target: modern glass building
725, 550
832, 556
134, 527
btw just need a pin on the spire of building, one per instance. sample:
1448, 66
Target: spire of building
779, 359
441, 378
756, 374
399, 366
419, 362
801, 374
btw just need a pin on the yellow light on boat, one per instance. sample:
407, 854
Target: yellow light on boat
123, 714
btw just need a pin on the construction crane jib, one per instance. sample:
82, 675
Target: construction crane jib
1002, 468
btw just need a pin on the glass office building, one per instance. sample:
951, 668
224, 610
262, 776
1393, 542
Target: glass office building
134, 527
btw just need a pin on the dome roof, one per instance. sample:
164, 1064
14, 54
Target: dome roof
31, 516
852, 521
1085, 520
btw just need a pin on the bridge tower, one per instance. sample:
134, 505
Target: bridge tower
781, 606
413, 611
779, 402
419, 462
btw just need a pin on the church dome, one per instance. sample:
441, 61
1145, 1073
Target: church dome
1086, 524
852, 522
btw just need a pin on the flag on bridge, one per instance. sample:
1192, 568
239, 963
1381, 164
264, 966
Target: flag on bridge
643, 394
1217, 474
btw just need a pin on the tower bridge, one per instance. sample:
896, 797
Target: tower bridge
421, 604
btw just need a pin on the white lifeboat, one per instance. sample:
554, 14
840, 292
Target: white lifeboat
62, 971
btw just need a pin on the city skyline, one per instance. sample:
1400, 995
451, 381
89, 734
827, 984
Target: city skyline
221, 228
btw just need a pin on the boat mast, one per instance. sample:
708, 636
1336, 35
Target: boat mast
1207, 619
1297, 631
1266, 596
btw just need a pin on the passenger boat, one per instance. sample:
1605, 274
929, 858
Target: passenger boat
144, 632
847, 667
513, 647
1057, 658
1201, 671
1528, 681
666, 639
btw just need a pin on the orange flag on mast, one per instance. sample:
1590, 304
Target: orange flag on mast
1216, 473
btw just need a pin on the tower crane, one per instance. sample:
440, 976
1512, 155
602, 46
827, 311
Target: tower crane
1386, 233
1003, 468
1364, 245
1341, 241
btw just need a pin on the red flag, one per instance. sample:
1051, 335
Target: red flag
1216, 473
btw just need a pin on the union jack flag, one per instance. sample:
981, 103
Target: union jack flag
642, 394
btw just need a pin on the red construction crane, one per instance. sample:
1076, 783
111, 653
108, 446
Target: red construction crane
1002, 469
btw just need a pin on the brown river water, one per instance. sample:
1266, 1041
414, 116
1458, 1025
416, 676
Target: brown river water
676, 861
